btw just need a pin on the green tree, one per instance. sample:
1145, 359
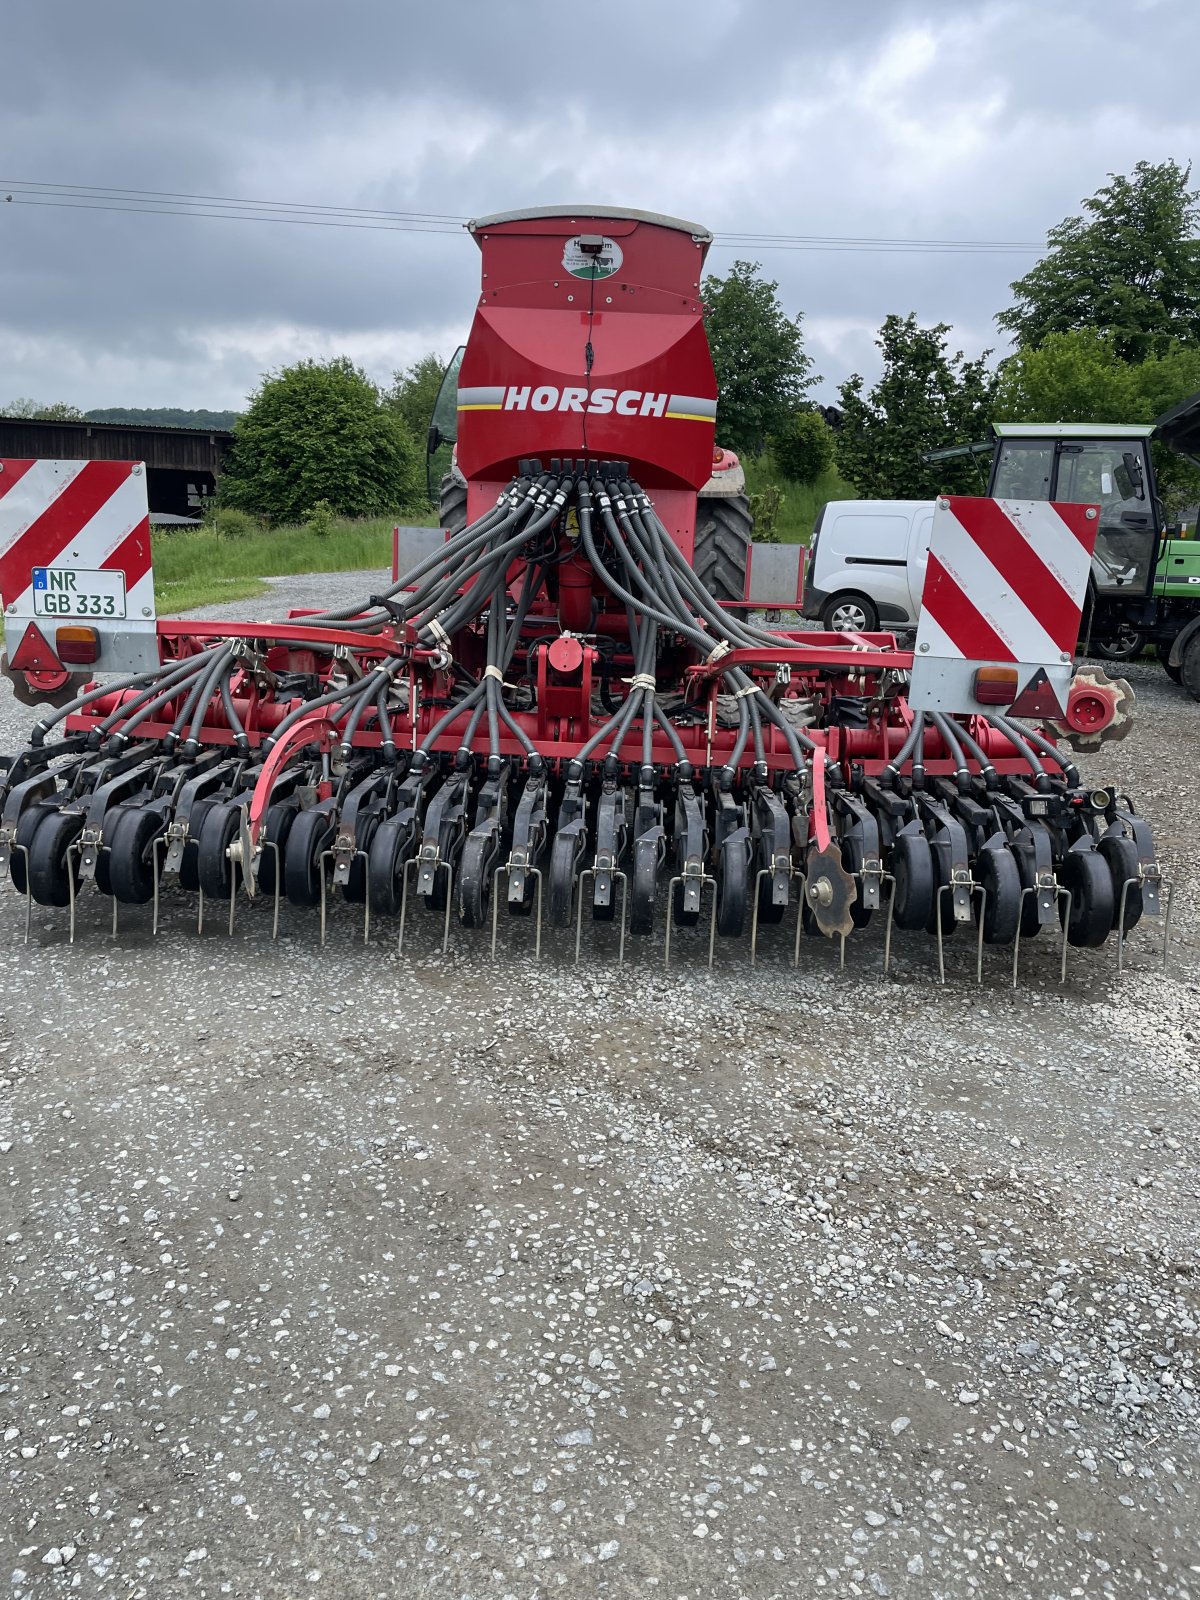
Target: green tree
1068, 377
803, 447
925, 399
35, 411
1130, 268
413, 392
1079, 377
758, 351
318, 431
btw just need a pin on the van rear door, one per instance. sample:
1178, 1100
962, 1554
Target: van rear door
918, 556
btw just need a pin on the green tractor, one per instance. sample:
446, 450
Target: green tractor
1145, 586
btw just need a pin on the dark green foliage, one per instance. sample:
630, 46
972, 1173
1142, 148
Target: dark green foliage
924, 400
317, 431
414, 391
758, 352
803, 446
1130, 269
165, 417
1079, 377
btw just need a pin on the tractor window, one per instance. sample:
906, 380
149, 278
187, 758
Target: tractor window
1023, 471
445, 409
1112, 475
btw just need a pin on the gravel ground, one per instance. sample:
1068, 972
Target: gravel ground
333, 1272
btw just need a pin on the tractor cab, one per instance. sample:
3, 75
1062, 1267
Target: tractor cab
1091, 463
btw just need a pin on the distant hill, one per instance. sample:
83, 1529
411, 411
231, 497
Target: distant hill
164, 417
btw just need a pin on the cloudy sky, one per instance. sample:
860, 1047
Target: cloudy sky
914, 119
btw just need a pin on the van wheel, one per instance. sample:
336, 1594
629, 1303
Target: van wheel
850, 613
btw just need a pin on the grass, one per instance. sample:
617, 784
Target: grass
801, 501
202, 568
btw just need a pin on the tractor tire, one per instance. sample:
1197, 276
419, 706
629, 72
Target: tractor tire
1163, 652
452, 505
1189, 667
721, 557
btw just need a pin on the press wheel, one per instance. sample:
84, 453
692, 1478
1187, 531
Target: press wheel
1093, 905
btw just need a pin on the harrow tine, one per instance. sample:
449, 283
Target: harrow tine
1162, 884
703, 880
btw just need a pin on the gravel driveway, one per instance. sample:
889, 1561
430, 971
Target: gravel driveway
336, 1272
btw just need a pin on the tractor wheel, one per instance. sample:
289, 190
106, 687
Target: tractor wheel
1163, 652
452, 505
49, 871
721, 556
1093, 905
1125, 643
130, 861
1189, 667
912, 888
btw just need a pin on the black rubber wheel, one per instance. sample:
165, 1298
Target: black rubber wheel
354, 889
912, 888
940, 905
768, 912
996, 871
1163, 652
721, 556
277, 824
733, 881
680, 915
849, 612
390, 849
130, 858
27, 825
473, 885
103, 874
1126, 644
214, 870
49, 882
189, 867
311, 835
1093, 905
562, 879
1120, 855
1030, 922
1189, 666
452, 504
852, 860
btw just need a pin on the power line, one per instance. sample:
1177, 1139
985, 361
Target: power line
147, 202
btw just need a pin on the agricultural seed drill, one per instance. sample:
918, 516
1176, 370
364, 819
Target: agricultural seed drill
547, 712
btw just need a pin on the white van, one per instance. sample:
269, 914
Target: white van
866, 564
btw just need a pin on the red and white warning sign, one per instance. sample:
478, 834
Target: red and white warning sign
75, 548
1004, 588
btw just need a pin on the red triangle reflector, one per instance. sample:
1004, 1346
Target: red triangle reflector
34, 654
1037, 698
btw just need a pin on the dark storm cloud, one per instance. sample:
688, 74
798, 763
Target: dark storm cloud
918, 119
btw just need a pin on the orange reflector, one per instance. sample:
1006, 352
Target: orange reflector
77, 647
996, 686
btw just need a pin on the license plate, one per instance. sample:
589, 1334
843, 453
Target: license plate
74, 592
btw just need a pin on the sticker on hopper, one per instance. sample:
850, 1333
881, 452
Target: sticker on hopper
592, 262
